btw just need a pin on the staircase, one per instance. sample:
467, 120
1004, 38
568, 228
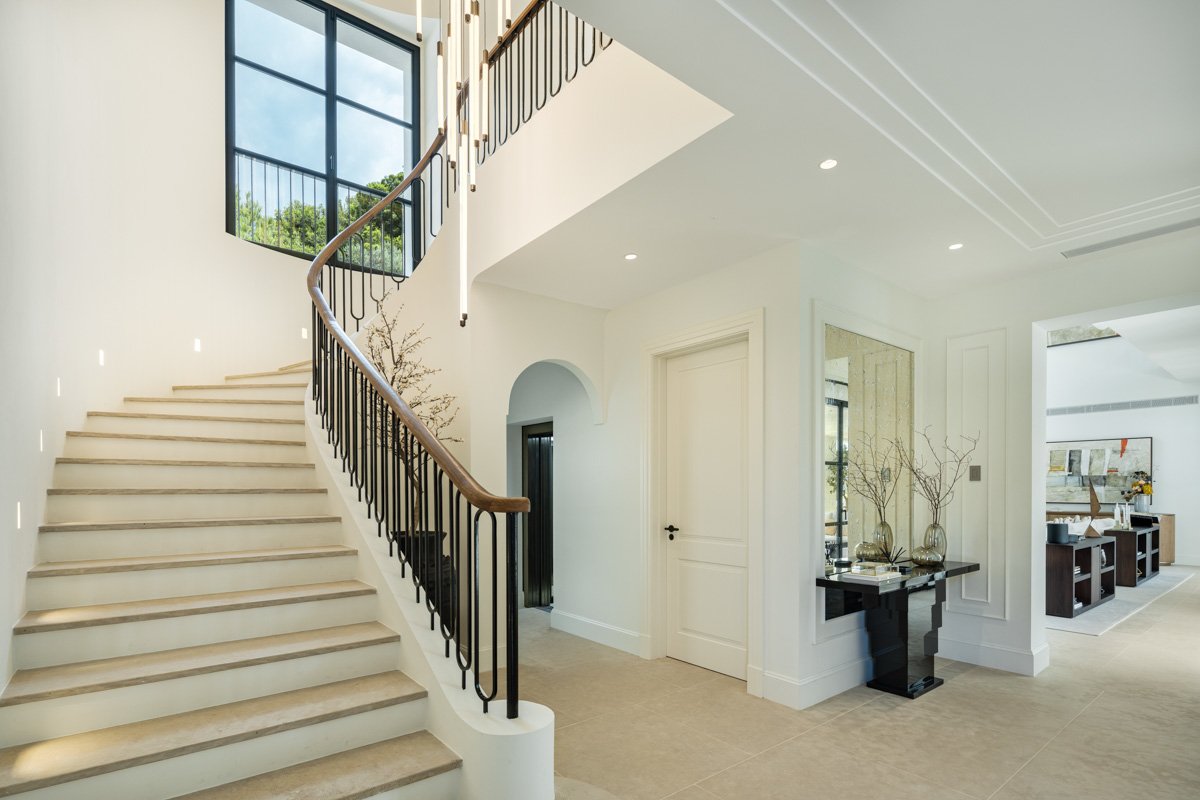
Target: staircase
195, 626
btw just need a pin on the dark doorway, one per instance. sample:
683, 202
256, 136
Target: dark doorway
538, 485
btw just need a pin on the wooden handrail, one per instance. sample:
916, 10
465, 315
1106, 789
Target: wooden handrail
475, 494
514, 29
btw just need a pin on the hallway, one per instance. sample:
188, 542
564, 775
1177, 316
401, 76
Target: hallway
1116, 716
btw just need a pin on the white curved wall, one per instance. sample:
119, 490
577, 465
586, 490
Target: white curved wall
113, 218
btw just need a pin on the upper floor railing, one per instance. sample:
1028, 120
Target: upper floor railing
444, 527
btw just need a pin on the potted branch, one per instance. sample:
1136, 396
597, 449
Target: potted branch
394, 352
935, 480
872, 472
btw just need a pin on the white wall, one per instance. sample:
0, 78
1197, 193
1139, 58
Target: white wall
1113, 370
987, 370
112, 118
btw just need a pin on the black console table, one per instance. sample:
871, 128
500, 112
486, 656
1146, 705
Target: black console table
900, 669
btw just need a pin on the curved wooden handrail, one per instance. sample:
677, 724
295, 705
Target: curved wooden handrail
475, 494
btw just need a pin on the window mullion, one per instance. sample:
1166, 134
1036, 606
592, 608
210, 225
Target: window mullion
331, 191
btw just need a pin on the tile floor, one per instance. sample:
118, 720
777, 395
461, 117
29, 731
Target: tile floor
1113, 718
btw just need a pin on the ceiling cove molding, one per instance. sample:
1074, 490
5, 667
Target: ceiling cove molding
824, 43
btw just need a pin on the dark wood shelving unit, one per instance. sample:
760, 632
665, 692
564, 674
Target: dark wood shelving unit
1138, 556
1095, 583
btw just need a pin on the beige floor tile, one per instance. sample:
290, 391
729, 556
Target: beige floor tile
693, 793
638, 754
722, 709
819, 766
1067, 770
570, 789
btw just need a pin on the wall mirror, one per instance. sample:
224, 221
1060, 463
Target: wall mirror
868, 397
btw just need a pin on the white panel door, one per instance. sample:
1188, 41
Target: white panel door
705, 464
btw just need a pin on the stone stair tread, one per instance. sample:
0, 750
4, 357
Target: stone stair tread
217, 400
181, 490
349, 775
192, 417
239, 386
81, 677
49, 569
51, 619
55, 761
173, 462
300, 370
214, 522
170, 438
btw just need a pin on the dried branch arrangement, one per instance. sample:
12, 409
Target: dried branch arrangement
936, 478
394, 353
873, 472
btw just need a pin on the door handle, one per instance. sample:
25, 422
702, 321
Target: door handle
670, 529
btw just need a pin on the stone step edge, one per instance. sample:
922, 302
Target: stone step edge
166, 524
101, 566
349, 775
174, 664
165, 737
236, 401
166, 437
164, 462
205, 386
193, 417
271, 373
34, 622
182, 490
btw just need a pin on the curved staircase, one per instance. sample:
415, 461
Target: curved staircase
195, 626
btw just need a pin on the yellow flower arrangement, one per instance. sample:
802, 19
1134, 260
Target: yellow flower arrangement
1141, 485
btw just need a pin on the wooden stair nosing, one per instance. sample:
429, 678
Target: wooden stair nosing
166, 524
85, 755
192, 417
305, 363
180, 490
84, 677
205, 386
270, 374
167, 462
355, 774
237, 401
55, 619
171, 438
101, 566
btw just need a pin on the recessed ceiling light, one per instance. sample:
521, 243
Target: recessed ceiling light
956, 246
631, 256
828, 163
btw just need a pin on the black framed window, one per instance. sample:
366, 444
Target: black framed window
322, 112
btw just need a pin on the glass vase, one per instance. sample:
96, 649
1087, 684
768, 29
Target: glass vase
925, 557
935, 540
1141, 503
867, 550
883, 536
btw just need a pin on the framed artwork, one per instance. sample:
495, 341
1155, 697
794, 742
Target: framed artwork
1107, 464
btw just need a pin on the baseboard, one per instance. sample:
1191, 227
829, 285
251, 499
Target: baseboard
1022, 662
805, 692
600, 632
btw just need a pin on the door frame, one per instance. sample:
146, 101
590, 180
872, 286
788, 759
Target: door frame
746, 327
528, 431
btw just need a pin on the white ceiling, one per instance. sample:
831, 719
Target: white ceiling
1021, 128
1171, 339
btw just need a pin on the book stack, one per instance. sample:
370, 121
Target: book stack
1078, 569
871, 572
1078, 604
